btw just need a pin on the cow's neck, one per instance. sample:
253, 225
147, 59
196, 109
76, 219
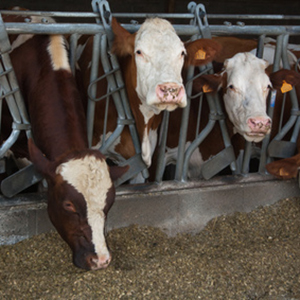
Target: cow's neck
55, 109
147, 123
146, 120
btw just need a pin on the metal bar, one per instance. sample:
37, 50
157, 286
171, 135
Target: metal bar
266, 140
86, 28
93, 88
184, 127
260, 46
146, 15
160, 165
72, 51
246, 158
272, 98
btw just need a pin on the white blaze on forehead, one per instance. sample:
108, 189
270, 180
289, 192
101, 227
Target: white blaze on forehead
58, 53
90, 177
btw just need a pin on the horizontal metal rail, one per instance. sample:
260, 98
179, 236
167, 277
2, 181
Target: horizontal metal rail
58, 14
189, 30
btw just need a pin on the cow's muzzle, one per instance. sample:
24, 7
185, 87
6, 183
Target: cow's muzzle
259, 125
91, 261
171, 93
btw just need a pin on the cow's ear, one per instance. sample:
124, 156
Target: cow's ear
40, 161
117, 171
201, 52
123, 43
208, 83
282, 78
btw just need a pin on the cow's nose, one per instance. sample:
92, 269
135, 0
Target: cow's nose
259, 124
96, 262
170, 92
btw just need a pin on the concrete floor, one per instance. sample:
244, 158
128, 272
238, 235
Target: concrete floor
170, 206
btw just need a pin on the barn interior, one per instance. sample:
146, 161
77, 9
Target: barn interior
216, 198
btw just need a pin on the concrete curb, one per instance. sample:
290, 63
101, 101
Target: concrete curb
170, 206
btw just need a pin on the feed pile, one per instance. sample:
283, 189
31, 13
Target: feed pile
242, 256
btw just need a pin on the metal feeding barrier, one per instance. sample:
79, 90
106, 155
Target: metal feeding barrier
191, 25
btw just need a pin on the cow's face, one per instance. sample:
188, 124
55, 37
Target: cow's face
159, 56
245, 95
80, 194
79, 198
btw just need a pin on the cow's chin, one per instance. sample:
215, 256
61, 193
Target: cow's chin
167, 106
159, 105
254, 137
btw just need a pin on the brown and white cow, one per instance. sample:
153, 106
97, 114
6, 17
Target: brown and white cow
151, 62
80, 184
284, 168
245, 86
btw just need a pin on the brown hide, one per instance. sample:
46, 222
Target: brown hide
232, 45
49, 102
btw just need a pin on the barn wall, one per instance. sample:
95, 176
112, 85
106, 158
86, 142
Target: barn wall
213, 7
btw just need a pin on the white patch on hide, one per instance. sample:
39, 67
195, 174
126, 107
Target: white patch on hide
269, 54
90, 177
22, 38
147, 112
58, 53
111, 153
148, 145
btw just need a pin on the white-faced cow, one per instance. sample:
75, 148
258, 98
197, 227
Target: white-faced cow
151, 62
245, 86
80, 184
283, 168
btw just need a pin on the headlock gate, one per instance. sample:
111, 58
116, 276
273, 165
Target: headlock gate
191, 25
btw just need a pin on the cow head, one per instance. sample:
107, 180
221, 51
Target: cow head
245, 95
80, 194
246, 86
157, 57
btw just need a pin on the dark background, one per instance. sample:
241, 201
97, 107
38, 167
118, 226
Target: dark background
258, 7
286, 7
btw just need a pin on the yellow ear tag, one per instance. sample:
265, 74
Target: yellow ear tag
206, 89
286, 87
200, 54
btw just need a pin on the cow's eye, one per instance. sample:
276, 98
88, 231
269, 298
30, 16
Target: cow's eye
231, 87
269, 87
182, 53
69, 206
138, 52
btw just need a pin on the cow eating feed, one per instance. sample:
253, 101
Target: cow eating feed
80, 183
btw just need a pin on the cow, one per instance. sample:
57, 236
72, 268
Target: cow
80, 183
151, 61
245, 86
284, 168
